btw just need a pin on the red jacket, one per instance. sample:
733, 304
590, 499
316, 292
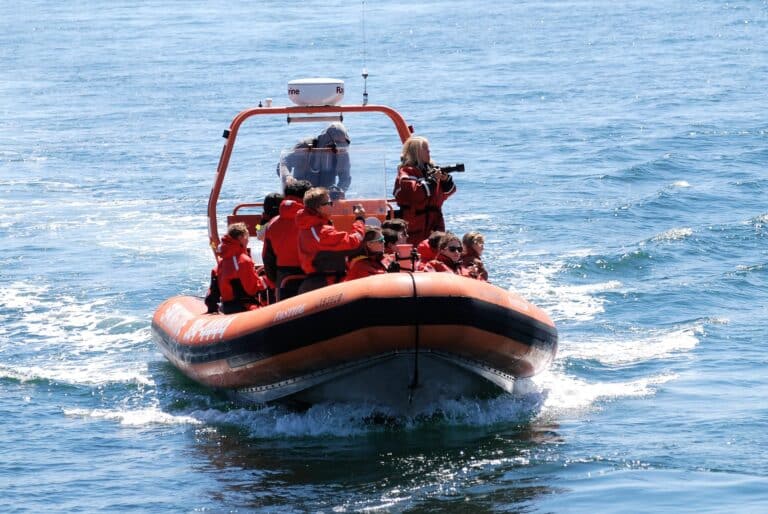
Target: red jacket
236, 264
421, 200
441, 263
322, 248
280, 248
473, 262
365, 266
426, 253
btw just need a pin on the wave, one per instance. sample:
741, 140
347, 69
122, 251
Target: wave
675, 234
651, 170
653, 346
572, 394
760, 221
328, 419
53, 336
539, 399
136, 418
537, 280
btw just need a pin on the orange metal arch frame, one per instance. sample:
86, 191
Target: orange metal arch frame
403, 130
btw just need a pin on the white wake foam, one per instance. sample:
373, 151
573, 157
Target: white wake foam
571, 394
674, 234
135, 418
69, 341
537, 283
650, 346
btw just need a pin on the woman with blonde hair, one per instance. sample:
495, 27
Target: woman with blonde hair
420, 190
472, 256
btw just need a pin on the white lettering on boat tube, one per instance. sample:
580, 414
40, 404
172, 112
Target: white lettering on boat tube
205, 330
290, 313
174, 318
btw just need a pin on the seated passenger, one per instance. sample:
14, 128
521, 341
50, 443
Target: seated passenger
400, 226
271, 209
472, 258
391, 239
238, 281
280, 253
428, 248
323, 160
323, 249
372, 261
448, 257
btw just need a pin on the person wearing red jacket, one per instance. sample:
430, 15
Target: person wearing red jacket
280, 253
448, 257
472, 257
236, 274
429, 248
373, 261
322, 249
420, 190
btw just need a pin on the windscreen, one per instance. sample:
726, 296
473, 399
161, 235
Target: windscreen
357, 155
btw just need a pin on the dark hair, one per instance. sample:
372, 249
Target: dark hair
271, 206
297, 188
397, 224
447, 238
390, 235
371, 233
434, 239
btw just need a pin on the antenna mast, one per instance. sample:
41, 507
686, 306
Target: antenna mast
365, 67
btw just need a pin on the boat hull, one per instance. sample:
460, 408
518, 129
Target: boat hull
400, 340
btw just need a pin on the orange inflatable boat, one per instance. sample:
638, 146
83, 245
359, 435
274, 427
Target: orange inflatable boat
391, 339
402, 340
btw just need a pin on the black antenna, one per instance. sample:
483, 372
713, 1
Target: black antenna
365, 56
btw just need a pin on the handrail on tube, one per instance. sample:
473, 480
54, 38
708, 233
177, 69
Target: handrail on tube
403, 130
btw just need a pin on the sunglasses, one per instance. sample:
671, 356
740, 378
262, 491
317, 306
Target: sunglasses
327, 203
379, 240
454, 248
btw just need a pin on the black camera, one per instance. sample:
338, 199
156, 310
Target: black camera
459, 167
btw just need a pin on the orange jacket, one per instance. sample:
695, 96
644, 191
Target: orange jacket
421, 199
365, 266
280, 248
236, 265
322, 248
441, 263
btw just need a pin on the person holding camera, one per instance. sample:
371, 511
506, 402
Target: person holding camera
420, 190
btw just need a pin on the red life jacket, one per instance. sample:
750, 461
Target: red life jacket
365, 266
280, 248
441, 263
472, 262
322, 248
421, 199
236, 272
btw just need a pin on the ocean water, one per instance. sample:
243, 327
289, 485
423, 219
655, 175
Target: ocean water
617, 162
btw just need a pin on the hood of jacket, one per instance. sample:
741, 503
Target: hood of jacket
230, 247
306, 219
334, 135
289, 208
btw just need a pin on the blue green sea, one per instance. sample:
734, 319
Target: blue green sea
617, 164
